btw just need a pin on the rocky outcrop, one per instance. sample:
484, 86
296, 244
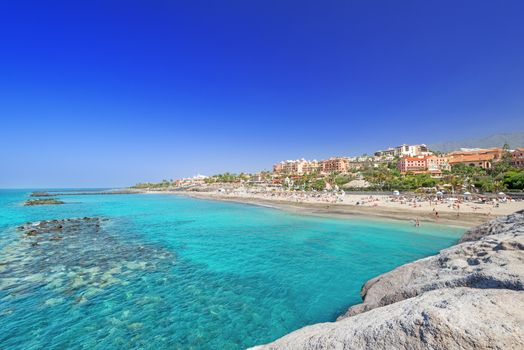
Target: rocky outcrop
40, 194
56, 230
504, 224
439, 319
496, 261
469, 296
43, 202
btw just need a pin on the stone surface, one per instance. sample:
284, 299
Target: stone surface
457, 318
513, 223
468, 296
496, 261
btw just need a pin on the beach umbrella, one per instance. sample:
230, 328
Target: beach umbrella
467, 194
502, 194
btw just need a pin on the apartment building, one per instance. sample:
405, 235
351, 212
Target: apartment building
296, 167
415, 165
437, 164
411, 150
311, 167
388, 152
433, 165
517, 158
334, 165
302, 166
405, 150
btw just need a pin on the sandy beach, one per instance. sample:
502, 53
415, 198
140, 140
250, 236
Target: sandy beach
448, 212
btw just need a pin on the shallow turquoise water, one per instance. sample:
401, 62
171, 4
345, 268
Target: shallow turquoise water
180, 273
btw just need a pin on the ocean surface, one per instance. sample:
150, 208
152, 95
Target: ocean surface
168, 272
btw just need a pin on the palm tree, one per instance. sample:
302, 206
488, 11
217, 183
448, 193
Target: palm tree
456, 183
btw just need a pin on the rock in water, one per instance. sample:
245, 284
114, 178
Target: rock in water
469, 296
450, 318
47, 201
495, 261
75, 258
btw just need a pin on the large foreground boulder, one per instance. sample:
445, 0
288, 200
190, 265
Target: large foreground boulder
459, 318
496, 261
469, 296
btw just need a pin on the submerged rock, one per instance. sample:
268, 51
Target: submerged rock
47, 201
469, 296
75, 257
55, 229
40, 194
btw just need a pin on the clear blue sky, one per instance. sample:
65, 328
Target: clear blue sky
109, 93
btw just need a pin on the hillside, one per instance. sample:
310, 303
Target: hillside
514, 139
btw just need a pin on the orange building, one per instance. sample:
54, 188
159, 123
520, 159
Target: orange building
483, 158
311, 167
296, 167
334, 165
302, 166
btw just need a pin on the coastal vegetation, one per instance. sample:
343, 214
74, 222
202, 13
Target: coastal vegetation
164, 184
502, 177
386, 177
228, 178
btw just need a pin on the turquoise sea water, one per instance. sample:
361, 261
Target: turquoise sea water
175, 273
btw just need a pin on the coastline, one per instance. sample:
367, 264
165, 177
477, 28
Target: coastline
344, 210
474, 278
63, 236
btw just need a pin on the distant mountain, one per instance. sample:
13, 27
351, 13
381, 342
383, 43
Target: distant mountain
514, 139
